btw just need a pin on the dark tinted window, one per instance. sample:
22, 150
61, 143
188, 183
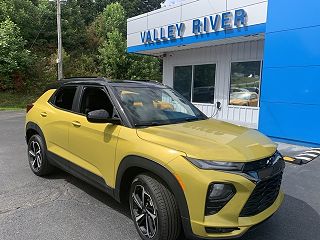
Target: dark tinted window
95, 98
203, 83
198, 80
182, 81
64, 98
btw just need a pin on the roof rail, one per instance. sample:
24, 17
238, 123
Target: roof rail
151, 81
80, 77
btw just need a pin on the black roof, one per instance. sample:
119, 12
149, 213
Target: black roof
103, 81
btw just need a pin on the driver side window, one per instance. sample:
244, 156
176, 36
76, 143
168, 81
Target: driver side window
95, 98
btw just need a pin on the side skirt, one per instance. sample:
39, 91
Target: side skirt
80, 173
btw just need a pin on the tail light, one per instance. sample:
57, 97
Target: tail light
29, 106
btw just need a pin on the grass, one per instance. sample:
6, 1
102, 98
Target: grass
15, 101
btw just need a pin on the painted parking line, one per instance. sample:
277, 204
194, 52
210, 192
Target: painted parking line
292, 160
305, 157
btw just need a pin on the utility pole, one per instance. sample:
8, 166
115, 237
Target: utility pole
59, 60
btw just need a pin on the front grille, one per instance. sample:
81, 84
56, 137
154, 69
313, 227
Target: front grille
262, 163
263, 196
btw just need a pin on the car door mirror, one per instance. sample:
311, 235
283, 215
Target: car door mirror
101, 116
98, 116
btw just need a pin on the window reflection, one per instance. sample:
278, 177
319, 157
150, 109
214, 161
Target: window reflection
245, 83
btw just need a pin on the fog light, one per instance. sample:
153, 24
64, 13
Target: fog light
219, 191
219, 194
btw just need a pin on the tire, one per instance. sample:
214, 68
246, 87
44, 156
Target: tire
37, 157
159, 207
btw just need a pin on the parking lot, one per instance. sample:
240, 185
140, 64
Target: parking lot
64, 207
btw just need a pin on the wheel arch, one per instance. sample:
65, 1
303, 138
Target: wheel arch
133, 165
32, 129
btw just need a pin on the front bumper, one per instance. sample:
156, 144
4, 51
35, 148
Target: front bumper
196, 183
243, 225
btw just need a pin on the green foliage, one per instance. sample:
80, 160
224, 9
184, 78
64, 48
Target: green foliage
13, 56
114, 18
136, 7
115, 61
113, 56
144, 68
93, 36
24, 13
14, 100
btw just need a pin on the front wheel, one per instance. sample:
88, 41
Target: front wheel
154, 209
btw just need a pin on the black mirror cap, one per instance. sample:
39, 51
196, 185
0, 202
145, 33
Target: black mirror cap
102, 116
98, 116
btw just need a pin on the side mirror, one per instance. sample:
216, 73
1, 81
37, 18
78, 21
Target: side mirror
98, 116
102, 116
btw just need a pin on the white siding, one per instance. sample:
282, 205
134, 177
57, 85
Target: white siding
222, 55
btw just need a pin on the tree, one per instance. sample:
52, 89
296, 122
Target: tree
116, 63
137, 7
13, 55
24, 13
113, 56
94, 39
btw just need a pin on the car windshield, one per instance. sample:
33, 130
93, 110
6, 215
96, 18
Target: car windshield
240, 95
151, 106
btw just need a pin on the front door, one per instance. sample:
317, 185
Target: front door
93, 145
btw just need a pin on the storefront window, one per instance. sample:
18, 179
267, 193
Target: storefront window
203, 83
245, 83
182, 80
201, 77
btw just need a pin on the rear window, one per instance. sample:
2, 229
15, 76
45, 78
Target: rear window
64, 98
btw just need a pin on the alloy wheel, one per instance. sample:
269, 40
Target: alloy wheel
35, 156
144, 212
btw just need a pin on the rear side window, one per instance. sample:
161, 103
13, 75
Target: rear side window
64, 98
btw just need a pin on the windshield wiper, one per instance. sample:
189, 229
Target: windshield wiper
190, 119
149, 124
155, 123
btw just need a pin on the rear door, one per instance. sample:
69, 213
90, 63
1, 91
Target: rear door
93, 145
58, 117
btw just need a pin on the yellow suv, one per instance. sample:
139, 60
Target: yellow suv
144, 144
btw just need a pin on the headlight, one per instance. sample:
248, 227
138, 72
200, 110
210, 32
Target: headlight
216, 165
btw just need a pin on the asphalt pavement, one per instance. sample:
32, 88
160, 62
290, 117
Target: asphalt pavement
64, 207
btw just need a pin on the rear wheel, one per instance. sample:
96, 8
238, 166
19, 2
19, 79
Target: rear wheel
38, 161
154, 209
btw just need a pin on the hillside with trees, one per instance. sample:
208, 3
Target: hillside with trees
94, 44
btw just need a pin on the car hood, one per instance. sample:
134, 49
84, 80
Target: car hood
238, 100
211, 140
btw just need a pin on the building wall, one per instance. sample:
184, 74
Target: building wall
222, 55
290, 102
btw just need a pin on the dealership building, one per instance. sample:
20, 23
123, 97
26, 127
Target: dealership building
255, 63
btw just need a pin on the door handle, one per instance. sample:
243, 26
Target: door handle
76, 124
43, 114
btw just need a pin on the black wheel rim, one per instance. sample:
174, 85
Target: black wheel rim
144, 212
35, 155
